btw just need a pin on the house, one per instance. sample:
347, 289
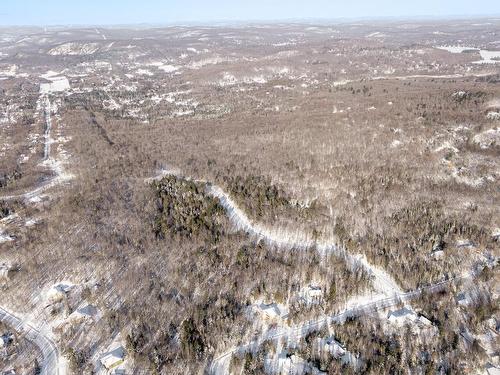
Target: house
6, 339
492, 370
58, 292
402, 316
4, 271
465, 243
113, 358
270, 311
314, 292
438, 254
463, 299
83, 313
291, 364
496, 234
333, 347
311, 294
424, 321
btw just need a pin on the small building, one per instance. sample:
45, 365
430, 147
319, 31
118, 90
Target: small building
496, 234
310, 295
424, 321
438, 254
291, 364
6, 339
465, 243
4, 271
113, 358
492, 370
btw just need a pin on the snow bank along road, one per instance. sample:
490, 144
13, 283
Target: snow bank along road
50, 363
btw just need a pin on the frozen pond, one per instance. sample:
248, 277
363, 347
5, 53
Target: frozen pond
487, 56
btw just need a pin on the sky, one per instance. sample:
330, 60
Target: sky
109, 12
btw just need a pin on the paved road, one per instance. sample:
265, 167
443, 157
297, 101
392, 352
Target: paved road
50, 353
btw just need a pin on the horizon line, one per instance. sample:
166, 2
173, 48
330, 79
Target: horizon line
298, 20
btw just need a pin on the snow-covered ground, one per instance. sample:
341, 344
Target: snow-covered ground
488, 138
291, 335
387, 292
52, 362
456, 49
488, 57
74, 49
57, 83
55, 164
278, 237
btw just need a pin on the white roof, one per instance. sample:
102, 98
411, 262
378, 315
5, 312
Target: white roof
4, 271
58, 291
5, 339
493, 371
424, 320
272, 310
437, 254
464, 243
57, 84
84, 312
314, 291
402, 315
291, 364
463, 299
334, 347
113, 358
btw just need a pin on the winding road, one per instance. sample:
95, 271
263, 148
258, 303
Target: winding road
382, 281
389, 293
50, 363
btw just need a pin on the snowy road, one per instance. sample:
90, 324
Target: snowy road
382, 281
389, 293
48, 161
292, 335
50, 363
